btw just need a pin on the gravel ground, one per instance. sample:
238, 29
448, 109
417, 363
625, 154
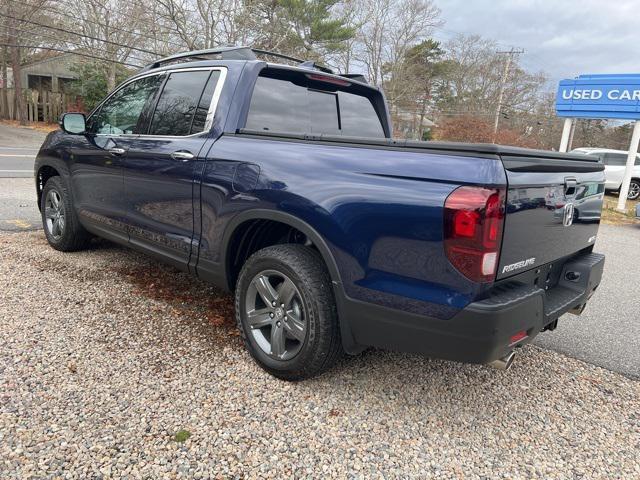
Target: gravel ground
110, 355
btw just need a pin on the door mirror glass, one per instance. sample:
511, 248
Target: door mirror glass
73, 123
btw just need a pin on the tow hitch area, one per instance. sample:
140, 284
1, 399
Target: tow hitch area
578, 310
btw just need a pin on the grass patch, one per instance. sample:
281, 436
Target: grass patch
182, 435
613, 217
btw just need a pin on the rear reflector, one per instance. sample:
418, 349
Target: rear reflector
517, 337
473, 222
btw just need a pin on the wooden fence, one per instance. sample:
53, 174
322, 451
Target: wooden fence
40, 106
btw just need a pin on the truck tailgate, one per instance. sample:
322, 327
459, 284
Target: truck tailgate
553, 208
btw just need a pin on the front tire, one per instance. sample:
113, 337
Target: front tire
59, 220
286, 312
634, 190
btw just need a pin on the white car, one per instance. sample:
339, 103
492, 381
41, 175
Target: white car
615, 162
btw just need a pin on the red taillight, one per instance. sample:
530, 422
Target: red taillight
473, 220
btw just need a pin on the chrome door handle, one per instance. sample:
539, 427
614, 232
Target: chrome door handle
117, 151
182, 156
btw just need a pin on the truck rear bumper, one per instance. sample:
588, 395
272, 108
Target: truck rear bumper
483, 331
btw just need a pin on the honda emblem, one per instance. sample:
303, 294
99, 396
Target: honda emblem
567, 219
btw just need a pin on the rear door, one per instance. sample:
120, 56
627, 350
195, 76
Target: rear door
161, 164
552, 210
614, 170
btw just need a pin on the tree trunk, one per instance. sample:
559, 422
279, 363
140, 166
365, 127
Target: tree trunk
111, 76
21, 113
4, 101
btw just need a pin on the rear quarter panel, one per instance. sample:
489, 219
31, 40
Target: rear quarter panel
379, 210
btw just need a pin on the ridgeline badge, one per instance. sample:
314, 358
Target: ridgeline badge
518, 265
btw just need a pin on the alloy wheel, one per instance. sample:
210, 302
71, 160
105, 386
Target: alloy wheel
54, 214
275, 315
634, 191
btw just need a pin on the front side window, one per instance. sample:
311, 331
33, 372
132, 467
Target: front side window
280, 105
184, 102
121, 113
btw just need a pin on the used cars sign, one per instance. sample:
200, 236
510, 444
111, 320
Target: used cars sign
600, 96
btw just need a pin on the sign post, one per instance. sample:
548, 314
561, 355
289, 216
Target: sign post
605, 96
566, 134
631, 160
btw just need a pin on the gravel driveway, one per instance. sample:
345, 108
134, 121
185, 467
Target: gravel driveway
111, 355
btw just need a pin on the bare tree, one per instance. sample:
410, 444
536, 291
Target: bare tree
15, 15
474, 80
388, 29
202, 24
110, 29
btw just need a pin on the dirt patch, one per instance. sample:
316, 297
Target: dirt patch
39, 126
183, 292
613, 217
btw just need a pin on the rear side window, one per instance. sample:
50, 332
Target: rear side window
184, 103
615, 159
279, 105
200, 117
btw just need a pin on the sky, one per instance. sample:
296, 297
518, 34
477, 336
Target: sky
564, 38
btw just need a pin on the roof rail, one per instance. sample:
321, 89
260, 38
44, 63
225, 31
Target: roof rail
227, 53
243, 53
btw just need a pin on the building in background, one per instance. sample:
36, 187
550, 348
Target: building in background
51, 74
411, 125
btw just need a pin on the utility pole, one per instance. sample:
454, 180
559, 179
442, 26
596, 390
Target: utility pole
505, 75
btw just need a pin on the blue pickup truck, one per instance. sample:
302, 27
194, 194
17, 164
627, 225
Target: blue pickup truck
282, 184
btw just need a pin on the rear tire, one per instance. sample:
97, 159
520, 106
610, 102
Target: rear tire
59, 220
301, 339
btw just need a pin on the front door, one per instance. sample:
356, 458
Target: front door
98, 157
162, 165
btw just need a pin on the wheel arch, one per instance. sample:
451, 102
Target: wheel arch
281, 217
44, 170
348, 341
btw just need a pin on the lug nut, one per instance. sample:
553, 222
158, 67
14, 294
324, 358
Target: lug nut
282, 305
273, 304
271, 315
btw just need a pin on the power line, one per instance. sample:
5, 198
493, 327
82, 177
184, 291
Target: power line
81, 35
53, 49
95, 22
75, 44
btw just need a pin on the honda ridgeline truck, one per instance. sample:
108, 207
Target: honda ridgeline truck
283, 185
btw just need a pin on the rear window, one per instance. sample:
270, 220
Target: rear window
280, 105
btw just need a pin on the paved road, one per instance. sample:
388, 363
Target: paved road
607, 334
18, 206
18, 148
608, 331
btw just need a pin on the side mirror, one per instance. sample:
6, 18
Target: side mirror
73, 123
